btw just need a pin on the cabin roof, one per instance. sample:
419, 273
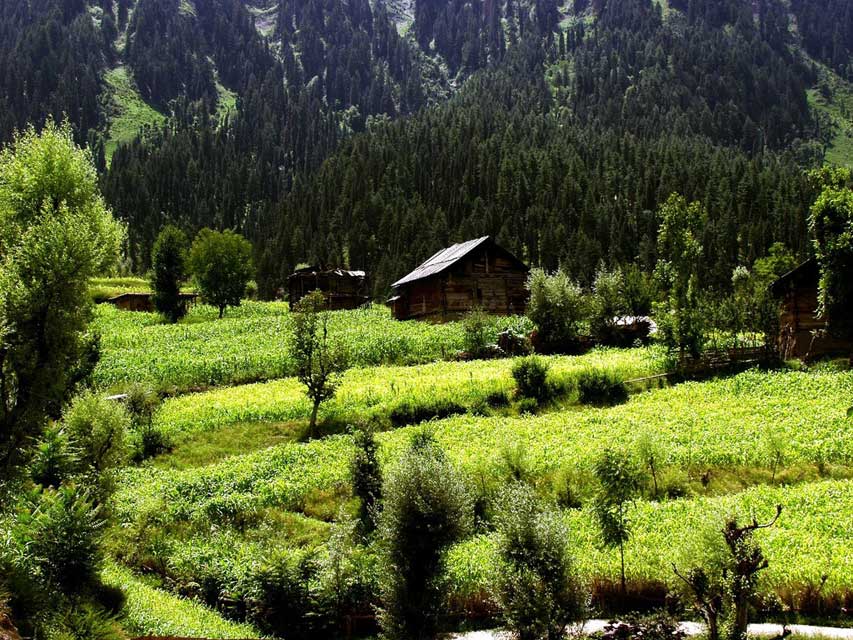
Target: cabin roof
805, 274
342, 273
446, 258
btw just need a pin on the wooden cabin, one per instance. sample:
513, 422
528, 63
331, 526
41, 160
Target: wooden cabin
802, 334
144, 301
343, 289
477, 273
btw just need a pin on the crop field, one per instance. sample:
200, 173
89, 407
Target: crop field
811, 540
250, 344
150, 611
732, 422
372, 392
283, 497
200, 529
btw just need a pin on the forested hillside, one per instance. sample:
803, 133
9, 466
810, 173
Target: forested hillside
370, 134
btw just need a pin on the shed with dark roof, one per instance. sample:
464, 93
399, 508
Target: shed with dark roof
342, 288
477, 273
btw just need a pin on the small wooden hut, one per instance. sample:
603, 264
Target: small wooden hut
343, 289
477, 273
144, 301
802, 333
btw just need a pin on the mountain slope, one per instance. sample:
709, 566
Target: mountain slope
250, 108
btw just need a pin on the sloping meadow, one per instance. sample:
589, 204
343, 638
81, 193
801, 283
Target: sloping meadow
737, 422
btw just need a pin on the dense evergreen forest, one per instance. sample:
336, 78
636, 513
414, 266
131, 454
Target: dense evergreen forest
368, 135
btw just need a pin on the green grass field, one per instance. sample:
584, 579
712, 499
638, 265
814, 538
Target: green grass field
251, 344
243, 485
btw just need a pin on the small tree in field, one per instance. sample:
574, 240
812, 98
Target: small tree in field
367, 479
221, 264
557, 306
168, 270
723, 588
537, 586
619, 480
320, 361
426, 508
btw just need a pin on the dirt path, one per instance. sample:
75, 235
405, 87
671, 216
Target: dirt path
691, 629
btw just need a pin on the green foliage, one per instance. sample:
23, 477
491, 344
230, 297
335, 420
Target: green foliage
251, 344
57, 534
148, 440
679, 248
150, 611
607, 303
831, 225
601, 387
97, 429
536, 587
367, 479
619, 481
282, 599
55, 233
531, 378
426, 508
320, 358
221, 265
558, 307
54, 459
168, 270
479, 334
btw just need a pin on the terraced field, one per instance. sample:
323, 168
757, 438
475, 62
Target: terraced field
733, 445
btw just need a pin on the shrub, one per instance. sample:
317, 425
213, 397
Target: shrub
58, 532
367, 479
537, 587
479, 334
97, 429
414, 412
53, 460
427, 507
531, 378
280, 598
607, 303
142, 403
600, 387
557, 306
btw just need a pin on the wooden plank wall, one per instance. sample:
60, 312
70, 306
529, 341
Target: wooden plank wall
492, 282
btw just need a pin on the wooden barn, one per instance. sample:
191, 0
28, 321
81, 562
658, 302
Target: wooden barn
144, 301
477, 273
343, 289
802, 334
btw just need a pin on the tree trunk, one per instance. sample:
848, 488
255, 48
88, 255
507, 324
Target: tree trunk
713, 625
741, 618
221, 311
312, 427
624, 582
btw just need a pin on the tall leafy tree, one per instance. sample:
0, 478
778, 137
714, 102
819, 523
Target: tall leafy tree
221, 264
168, 271
56, 232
